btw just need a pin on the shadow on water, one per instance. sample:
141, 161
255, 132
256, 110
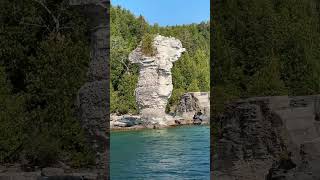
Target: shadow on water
173, 153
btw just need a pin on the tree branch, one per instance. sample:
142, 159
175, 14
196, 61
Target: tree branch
36, 25
127, 67
50, 12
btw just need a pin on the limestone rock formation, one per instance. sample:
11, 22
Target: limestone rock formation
268, 138
155, 80
192, 102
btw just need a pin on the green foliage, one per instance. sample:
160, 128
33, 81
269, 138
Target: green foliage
190, 73
12, 120
193, 86
114, 99
42, 149
57, 74
174, 99
126, 94
42, 67
264, 48
267, 82
147, 47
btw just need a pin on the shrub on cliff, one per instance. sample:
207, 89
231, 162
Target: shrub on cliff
147, 45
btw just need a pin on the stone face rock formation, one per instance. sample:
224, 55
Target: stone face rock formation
192, 102
268, 138
93, 97
155, 80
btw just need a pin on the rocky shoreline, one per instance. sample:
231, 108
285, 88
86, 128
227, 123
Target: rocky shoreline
139, 128
190, 104
18, 172
134, 122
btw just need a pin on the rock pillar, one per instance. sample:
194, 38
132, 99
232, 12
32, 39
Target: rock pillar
154, 86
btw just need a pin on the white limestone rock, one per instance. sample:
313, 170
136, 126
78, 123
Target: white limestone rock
154, 86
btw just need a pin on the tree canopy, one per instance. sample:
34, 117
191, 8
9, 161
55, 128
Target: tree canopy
264, 48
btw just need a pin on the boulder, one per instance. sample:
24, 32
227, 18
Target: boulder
193, 102
131, 120
125, 121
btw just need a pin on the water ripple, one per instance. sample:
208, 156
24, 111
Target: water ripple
174, 153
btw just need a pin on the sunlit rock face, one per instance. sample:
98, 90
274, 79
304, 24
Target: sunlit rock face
154, 86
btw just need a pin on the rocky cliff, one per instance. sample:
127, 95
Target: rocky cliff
154, 86
93, 98
268, 138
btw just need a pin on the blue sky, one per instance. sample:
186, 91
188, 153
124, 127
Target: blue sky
168, 12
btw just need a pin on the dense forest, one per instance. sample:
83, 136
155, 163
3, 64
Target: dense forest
264, 48
190, 73
44, 56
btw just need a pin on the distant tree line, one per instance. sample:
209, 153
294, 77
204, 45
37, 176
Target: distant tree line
190, 73
264, 48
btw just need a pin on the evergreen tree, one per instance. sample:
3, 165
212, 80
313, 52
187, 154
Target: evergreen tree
44, 59
265, 48
12, 121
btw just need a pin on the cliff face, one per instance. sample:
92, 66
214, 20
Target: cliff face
268, 138
93, 98
154, 86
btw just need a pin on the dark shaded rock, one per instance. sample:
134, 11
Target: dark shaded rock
52, 171
197, 122
49, 174
269, 138
177, 121
19, 176
93, 97
60, 178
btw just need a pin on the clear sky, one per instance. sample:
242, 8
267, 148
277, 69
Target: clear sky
168, 12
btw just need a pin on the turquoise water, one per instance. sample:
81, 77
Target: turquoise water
173, 153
